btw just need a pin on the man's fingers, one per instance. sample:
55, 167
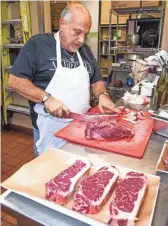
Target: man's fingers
59, 112
66, 110
101, 109
113, 108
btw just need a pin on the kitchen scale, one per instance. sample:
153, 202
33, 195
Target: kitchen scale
161, 121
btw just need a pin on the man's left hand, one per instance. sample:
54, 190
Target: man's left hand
106, 104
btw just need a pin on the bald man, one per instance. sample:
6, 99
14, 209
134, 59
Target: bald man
56, 71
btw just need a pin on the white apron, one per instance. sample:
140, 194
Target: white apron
72, 87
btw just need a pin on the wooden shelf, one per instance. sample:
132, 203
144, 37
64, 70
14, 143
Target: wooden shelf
103, 67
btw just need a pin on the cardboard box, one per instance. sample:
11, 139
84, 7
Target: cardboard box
105, 8
125, 4
56, 9
104, 62
150, 3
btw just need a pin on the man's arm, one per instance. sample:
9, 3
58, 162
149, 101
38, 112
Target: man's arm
31, 92
26, 88
104, 101
98, 88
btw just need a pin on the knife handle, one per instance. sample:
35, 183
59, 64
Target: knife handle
63, 112
45, 110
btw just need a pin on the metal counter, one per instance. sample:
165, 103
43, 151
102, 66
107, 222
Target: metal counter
30, 213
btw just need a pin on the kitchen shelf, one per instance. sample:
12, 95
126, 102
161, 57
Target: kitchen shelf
103, 40
126, 49
113, 25
8, 68
16, 39
112, 40
106, 54
123, 88
13, 45
137, 50
103, 67
125, 11
12, 21
118, 69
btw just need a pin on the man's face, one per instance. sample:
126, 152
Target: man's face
74, 32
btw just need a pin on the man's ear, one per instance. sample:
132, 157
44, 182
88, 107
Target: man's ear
62, 24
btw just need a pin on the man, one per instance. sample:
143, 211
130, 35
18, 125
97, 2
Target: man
55, 71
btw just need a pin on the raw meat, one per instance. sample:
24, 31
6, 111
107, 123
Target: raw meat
95, 190
128, 196
132, 120
140, 115
59, 188
107, 130
165, 161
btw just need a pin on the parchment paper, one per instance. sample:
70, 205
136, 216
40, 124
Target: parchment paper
31, 179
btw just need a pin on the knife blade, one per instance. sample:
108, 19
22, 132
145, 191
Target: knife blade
90, 117
87, 117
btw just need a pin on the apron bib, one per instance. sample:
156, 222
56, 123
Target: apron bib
72, 87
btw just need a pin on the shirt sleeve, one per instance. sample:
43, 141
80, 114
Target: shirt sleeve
25, 63
96, 72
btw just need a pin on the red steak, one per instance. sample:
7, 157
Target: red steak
165, 161
60, 188
95, 190
107, 130
128, 196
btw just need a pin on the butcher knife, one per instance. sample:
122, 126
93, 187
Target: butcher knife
87, 117
90, 117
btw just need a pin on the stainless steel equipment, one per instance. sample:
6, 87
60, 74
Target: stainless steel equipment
161, 121
133, 40
150, 38
148, 33
104, 49
131, 58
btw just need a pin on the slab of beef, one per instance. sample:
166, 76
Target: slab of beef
128, 196
165, 161
95, 190
60, 188
107, 130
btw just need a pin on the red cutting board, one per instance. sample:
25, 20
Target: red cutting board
135, 146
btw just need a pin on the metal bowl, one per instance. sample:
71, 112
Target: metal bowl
133, 39
132, 56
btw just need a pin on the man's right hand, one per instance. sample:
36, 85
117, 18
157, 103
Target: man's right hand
56, 107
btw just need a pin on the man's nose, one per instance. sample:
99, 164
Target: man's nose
81, 38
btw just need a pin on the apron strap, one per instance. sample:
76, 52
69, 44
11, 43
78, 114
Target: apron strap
58, 50
80, 59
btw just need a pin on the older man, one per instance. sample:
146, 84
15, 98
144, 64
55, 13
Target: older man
56, 71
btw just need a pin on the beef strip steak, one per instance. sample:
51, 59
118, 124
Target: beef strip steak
60, 188
127, 199
93, 192
107, 130
165, 161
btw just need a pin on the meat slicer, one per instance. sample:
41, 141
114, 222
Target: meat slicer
158, 60
148, 85
161, 121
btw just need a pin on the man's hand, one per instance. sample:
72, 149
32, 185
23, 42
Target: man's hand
106, 104
56, 107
